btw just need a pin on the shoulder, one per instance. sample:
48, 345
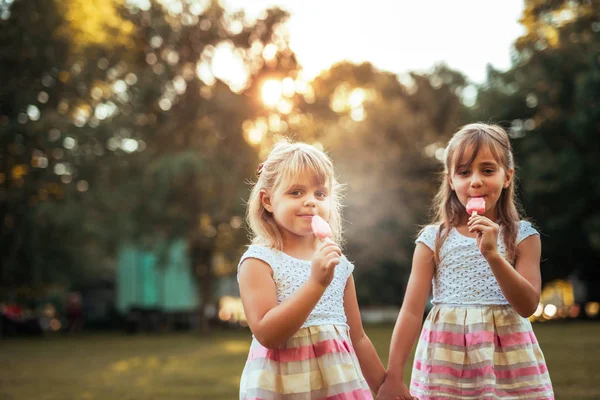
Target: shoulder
430, 229
259, 251
427, 235
525, 230
347, 264
257, 255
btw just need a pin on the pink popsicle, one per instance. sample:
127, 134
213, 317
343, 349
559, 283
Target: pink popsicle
476, 206
321, 228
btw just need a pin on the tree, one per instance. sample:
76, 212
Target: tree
549, 101
30, 59
133, 139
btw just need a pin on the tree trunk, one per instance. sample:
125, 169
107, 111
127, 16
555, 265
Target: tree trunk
201, 252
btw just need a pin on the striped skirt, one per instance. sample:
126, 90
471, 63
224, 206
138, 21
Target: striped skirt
318, 362
479, 352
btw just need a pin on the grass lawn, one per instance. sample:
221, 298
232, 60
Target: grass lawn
184, 366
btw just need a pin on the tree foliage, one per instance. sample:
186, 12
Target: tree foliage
117, 126
549, 100
142, 122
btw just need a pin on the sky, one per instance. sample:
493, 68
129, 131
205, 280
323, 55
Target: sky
399, 35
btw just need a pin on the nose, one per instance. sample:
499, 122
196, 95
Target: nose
309, 202
475, 180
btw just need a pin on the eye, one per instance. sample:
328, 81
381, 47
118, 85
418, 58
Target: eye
296, 192
464, 172
489, 171
321, 194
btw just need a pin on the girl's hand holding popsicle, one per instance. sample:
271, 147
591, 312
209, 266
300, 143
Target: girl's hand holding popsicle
487, 230
328, 254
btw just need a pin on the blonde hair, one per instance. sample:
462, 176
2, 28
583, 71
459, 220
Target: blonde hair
286, 162
448, 209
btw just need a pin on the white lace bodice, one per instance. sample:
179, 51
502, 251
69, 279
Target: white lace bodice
290, 273
463, 276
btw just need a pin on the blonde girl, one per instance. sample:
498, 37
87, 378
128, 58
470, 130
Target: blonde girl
297, 291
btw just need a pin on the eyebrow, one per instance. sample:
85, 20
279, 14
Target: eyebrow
484, 163
301, 186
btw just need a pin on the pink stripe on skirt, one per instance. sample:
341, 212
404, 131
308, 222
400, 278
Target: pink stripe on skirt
472, 339
477, 372
302, 353
479, 352
318, 362
486, 391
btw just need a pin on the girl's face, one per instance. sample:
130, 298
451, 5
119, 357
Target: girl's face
485, 177
293, 205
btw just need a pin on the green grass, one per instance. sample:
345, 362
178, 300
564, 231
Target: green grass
185, 366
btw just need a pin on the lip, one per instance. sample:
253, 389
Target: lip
307, 216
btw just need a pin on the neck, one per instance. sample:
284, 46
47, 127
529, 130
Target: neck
302, 247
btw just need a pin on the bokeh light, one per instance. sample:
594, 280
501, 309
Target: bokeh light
271, 92
592, 309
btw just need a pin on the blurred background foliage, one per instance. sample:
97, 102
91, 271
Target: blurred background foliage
142, 122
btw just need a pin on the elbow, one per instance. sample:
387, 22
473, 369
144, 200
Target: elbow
529, 309
530, 305
525, 313
357, 338
414, 315
269, 345
266, 340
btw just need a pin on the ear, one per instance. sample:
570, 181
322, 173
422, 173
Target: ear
508, 178
265, 200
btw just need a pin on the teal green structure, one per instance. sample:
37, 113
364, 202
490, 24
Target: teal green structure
143, 283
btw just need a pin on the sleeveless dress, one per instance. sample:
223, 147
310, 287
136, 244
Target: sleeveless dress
318, 361
473, 344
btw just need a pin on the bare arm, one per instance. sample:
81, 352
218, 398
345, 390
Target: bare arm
370, 363
408, 324
520, 285
271, 323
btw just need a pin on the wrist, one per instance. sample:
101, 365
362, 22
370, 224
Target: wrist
316, 284
492, 256
395, 374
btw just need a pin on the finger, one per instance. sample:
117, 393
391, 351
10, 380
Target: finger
475, 217
336, 250
331, 250
479, 228
328, 258
328, 255
329, 244
333, 263
332, 253
334, 259
480, 220
324, 243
